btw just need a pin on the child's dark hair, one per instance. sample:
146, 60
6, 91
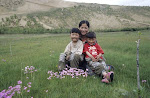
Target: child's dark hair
91, 35
75, 30
84, 22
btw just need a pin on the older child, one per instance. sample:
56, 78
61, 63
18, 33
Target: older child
73, 51
93, 55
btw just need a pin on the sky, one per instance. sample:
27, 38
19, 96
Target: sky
116, 2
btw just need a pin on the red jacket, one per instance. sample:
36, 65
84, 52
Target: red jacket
94, 50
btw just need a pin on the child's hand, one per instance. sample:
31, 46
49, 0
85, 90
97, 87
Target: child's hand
98, 56
67, 57
94, 60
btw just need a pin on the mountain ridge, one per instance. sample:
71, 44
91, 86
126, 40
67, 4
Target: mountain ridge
50, 15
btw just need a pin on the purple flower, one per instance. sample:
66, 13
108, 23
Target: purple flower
25, 87
46, 91
143, 81
19, 82
87, 69
28, 90
83, 75
17, 87
10, 87
18, 92
29, 83
73, 72
3, 60
49, 78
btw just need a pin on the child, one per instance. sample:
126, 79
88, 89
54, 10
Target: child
93, 55
73, 51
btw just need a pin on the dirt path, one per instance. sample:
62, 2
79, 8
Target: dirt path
143, 23
45, 26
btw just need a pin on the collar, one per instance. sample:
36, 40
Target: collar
91, 45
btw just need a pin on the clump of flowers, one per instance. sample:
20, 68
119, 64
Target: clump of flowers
143, 81
27, 88
3, 60
11, 91
29, 69
73, 72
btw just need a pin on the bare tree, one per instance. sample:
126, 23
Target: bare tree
137, 59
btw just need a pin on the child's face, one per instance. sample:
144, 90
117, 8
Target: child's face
84, 29
91, 41
74, 37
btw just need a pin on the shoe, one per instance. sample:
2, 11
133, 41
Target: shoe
105, 80
109, 76
110, 67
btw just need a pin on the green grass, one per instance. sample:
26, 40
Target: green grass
42, 51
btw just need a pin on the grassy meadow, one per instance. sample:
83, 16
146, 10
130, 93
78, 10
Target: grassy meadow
42, 51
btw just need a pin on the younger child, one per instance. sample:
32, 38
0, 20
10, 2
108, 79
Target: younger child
93, 55
73, 51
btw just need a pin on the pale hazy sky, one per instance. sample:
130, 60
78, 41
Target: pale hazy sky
117, 2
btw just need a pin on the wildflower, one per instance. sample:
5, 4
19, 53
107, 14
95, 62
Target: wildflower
49, 78
10, 87
30, 69
46, 91
25, 87
29, 83
49, 72
143, 81
11, 94
19, 82
72, 76
28, 91
3, 60
73, 72
11, 91
18, 92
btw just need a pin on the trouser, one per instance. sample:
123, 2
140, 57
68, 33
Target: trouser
83, 63
73, 61
97, 67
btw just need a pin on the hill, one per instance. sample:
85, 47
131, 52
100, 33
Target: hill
59, 14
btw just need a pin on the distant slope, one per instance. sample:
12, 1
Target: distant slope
100, 16
10, 7
58, 14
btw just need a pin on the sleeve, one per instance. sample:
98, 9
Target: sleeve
99, 49
80, 49
67, 49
